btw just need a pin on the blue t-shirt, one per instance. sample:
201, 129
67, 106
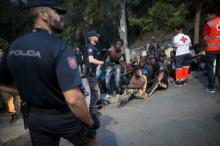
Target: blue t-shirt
43, 67
91, 50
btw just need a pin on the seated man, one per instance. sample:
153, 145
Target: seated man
136, 88
160, 75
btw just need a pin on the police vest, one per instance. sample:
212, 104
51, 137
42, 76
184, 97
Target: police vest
213, 43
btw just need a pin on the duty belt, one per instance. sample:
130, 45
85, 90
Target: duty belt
50, 111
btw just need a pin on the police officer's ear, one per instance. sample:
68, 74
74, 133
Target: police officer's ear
43, 13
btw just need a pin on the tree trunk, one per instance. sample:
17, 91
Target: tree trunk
197, 24
122, 28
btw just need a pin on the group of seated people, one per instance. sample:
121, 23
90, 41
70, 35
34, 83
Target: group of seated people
140, 78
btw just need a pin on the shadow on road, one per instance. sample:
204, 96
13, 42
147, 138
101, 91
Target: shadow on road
105, 136
202, 78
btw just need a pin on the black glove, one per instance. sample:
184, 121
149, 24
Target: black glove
96, 124
108, 63
83, 90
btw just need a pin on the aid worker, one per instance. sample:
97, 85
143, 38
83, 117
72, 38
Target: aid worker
211, 39
182, 43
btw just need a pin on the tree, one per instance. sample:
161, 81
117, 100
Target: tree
161, 16
122, 27
13, 21
120, 7
197, 22
200, 6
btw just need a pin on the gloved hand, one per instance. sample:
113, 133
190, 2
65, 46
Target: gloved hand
108, 63
83, 90
96, 124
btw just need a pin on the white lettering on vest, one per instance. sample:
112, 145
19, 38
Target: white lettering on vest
28, 53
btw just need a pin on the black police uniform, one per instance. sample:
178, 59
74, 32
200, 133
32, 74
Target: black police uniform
43, 67
91, 50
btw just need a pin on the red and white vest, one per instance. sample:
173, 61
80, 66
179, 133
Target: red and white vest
213, 42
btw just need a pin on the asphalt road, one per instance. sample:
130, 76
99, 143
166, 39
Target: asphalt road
178, 116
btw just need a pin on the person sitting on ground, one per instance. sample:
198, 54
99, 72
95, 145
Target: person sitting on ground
198, 58
150, 59
135, 61
144, 68
136, 88
161, 76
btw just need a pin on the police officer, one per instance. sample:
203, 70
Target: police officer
91, 65
45, 70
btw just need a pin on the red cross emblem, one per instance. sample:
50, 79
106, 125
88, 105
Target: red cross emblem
183, 39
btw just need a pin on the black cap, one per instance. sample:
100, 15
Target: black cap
93, 33
48, 3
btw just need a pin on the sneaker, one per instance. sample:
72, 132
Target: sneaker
146, 95
107, 96
179, 83
211, 90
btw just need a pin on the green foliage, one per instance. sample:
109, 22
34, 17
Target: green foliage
85, 15
161, 16
13, 21
81, 16
3, 44
104, 16
133, 2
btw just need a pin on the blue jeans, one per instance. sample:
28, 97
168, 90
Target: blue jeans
210, 58
110, 71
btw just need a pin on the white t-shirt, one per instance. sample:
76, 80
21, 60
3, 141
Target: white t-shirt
183, 42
